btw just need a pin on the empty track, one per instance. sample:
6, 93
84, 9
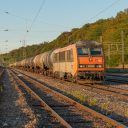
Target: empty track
116, 78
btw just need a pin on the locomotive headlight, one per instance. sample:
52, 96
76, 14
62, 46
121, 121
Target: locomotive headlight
98, 66
82, 65
91, 66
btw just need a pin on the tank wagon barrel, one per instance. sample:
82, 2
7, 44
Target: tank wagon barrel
48, 59
43, 61
28, 63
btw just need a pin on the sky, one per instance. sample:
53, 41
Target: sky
27, 22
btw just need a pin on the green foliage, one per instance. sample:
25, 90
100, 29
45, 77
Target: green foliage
80, 96
105, 107
126, 113
113, 61
109, 29
93, 102
1, 88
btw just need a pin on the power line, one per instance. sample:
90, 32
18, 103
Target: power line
37, 14
105, 9
27, 19
11, 14
20, 30
34, 19
31, 25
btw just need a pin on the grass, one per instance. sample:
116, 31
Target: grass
84, 99
1, 88
93, 102
108, 125
105, 107
126, 113
79, 96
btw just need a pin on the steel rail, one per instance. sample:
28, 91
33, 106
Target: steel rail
1, 73
108, 92
118, 81
107, 88
117, 75
117, 78
111, 89
42, 103
78, 105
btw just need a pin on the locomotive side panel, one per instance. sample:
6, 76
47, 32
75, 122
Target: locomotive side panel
63, 63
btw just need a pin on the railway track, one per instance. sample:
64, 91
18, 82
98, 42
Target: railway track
115, 78
119, 92
1, 83
1, 72
122, 94
68, 112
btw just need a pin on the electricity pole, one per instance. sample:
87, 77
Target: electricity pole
24, 51
101, 39
122, 41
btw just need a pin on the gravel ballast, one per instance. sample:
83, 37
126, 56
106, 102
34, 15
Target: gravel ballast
108, 104
13, 110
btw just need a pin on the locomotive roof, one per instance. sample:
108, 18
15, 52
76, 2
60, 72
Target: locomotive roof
89, 44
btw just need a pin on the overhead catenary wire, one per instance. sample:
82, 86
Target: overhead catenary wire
13, 15
37, 14
28, 19
104, 10
30, 28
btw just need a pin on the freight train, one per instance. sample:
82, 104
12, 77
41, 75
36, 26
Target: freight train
81, 60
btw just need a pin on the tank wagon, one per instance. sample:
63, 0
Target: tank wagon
42, 63
82, 60
28, 66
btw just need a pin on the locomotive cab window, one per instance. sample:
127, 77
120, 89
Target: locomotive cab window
83, 51
62, 56
69, 55
55, 58
95, 51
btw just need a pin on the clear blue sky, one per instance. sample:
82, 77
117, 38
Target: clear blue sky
55, 17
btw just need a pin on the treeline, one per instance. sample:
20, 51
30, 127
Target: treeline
110, 30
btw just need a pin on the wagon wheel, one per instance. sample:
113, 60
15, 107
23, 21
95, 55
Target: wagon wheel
55, 75
75, 79
69, 77
93, 79
103, 79
51, 73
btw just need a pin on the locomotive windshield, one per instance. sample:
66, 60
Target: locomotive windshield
89, 51
83, 51
95, 51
